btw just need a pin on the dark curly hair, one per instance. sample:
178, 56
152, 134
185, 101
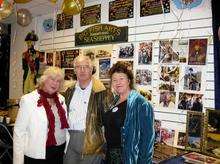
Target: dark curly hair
121, 67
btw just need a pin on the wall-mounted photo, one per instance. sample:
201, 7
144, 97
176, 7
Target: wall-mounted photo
58, 59
164, 86
167, 136
103, 51
49, 58
145, 53
167, 54
181, 139
212, 133
169, 74
167, 99
104, 67
143, 77
69, 74
89, 52
192, 79
157, 127
190, 101
126, 50
194, 131
197, 51
146, 93
181, 47
128, 63
67, 58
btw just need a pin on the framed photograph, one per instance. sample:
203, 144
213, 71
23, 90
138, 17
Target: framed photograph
194, 131
197, 158
104, 67
212, 132
145, 53
167, 99
190, 101
192, 79
197, 51
143, 77
180, 139
49, 58
67, 57
58, 59
167, 136
170, 73
126, 51
69, 74
167, 54
146, 93
157, 127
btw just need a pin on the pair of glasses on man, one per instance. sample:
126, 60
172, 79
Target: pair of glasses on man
82, 67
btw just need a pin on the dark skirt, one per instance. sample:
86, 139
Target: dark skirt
114, 156
54, 155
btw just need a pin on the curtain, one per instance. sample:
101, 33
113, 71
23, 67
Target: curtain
215, 26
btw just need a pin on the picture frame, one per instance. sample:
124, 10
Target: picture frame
194, 131
212, 133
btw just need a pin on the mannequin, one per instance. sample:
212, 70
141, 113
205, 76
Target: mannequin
30, 63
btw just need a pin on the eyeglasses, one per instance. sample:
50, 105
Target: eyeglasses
82, 67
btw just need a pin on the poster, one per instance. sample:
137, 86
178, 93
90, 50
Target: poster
67, 58
152, 7
145, 53
104, 67
121, 9
64, 22
197, 51
90, 15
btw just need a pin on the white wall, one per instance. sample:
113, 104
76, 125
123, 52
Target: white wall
194, 23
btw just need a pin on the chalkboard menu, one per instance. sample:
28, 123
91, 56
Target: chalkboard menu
152, 7
64, 21
121, 9
90, 15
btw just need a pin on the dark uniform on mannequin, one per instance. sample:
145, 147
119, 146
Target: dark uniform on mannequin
30, 63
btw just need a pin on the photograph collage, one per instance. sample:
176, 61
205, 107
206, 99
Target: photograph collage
172, 78
167, 73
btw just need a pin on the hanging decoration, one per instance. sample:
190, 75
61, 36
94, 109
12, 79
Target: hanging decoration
48, 25
24, 17
72, 7
22, 1
5, 9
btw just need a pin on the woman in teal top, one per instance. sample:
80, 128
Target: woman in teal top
129, 123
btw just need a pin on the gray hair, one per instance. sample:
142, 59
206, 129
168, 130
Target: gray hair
82, 58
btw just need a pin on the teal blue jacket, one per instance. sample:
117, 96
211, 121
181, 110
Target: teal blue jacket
137, 134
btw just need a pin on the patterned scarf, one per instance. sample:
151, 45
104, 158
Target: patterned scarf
51, 140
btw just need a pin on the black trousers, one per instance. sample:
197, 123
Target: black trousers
54, 155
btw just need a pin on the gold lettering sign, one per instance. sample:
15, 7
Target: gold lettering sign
102, 33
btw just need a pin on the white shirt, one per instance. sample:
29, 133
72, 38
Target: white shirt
78, 107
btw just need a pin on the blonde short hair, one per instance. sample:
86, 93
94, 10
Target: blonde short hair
51, 72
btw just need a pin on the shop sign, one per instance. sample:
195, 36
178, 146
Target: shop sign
100, 34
